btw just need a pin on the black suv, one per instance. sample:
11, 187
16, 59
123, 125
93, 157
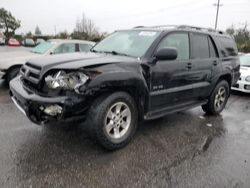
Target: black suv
130, 76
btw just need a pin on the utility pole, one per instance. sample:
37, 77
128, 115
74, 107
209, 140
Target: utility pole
217, 13
55, 30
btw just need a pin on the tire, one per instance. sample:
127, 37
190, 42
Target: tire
104, 123
12, 73
218, 99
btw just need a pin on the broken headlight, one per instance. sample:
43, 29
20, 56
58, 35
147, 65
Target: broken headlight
67, 81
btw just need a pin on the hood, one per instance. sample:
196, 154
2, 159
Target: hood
78, 60
245, 71
9, 59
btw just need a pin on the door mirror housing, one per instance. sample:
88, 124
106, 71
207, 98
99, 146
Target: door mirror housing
166, 54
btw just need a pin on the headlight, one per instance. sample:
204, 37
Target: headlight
248, 79
67, 81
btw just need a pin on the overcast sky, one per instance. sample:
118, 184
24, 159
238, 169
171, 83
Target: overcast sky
110, 15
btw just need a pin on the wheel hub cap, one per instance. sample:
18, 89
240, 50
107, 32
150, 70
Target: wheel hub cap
220, 98
118, 120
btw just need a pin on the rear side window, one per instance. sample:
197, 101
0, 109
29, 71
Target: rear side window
228, 46
200, 46
65, 48
212, 49
180, 41
85, 47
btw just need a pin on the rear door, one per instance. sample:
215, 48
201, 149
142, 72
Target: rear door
204, 59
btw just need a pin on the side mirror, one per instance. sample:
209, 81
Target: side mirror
166, 54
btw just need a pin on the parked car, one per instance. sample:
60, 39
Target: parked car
10, 62
2, 41
28, 42
39, 40
132, 75
244, 82
13, 42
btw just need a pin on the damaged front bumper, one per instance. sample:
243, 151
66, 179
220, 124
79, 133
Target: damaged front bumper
44, 110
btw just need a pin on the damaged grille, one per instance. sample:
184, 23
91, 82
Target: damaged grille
31, 72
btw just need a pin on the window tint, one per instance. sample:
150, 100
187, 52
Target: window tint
212, 50
85, 47
65, 48
200, 46
180, 41
228, 46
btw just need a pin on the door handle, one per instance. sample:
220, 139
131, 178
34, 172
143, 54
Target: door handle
189, 65
215, 62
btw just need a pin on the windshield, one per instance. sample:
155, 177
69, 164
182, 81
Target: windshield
245, 60
13, 40
131, 43
42, 47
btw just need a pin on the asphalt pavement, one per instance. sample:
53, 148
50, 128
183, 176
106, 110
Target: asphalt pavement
186, 149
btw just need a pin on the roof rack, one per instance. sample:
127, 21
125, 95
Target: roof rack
182, 27
199, 28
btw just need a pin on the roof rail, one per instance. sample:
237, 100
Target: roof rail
182, 27
199, 28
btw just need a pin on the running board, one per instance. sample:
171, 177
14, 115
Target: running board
172, 109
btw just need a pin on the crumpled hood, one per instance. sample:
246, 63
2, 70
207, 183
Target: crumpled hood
78, 60
7, 59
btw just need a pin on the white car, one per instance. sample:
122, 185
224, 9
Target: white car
11, 62
244, 81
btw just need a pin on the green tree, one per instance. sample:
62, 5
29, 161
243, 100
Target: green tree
241, 36
38, 31
9, 23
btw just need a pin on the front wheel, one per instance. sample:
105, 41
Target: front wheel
218, 99
113, 119
12, 74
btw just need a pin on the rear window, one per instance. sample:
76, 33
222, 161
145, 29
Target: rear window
228, 46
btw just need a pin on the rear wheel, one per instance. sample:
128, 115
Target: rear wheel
113, 120
218, 99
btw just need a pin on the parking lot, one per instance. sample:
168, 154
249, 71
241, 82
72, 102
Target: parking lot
186, 149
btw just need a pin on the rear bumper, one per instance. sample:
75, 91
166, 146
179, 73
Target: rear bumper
33, 105
242, 86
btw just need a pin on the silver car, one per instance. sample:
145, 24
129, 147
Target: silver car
10, 62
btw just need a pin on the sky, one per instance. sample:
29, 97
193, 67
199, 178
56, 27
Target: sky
108, 15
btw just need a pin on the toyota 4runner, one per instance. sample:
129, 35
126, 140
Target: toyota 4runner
130, 76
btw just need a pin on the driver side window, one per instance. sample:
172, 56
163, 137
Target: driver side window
180, 41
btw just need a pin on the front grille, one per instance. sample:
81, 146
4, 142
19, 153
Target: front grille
31, 72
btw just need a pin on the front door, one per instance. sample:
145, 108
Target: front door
169, 78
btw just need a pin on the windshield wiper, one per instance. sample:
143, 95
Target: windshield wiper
117, 53
111, 52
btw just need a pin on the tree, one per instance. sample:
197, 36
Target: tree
28, 35
63, 35
241, 36
38, 31
85, 29
9, 23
